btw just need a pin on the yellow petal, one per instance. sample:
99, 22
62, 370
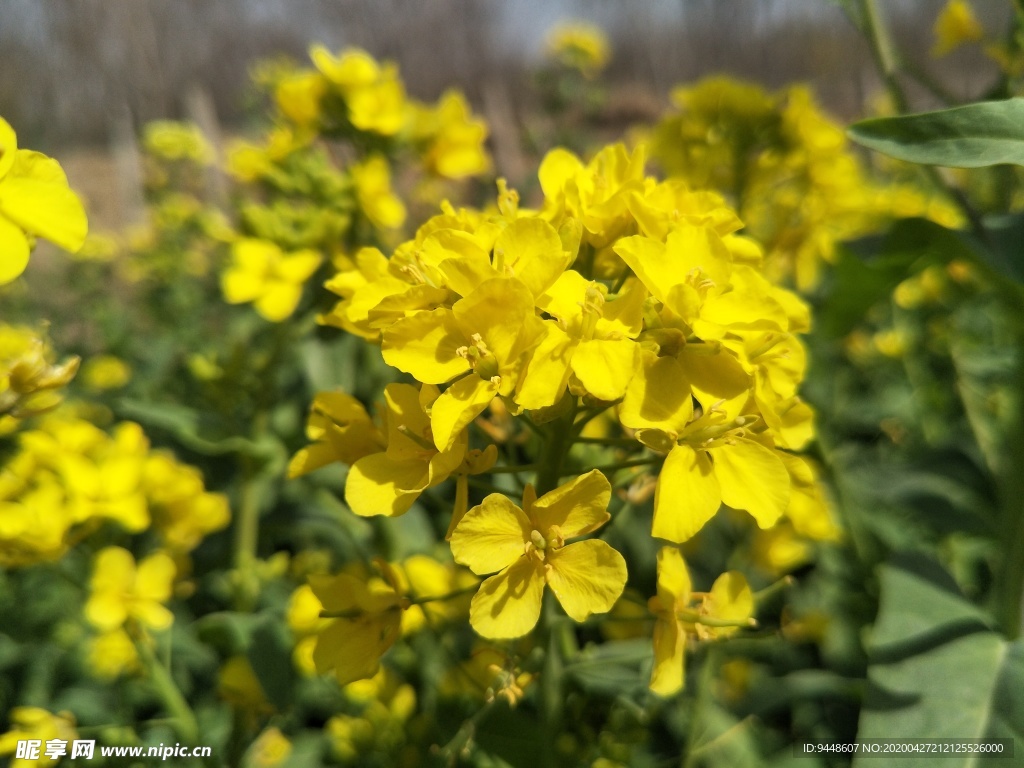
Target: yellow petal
508, 604
605, 368
353, 647
658, 397
155, 578
106, 610
279, 301
576, 508
456, 408
558, 167
425, 345
380, 485
491, 535
498, 311
153, 615
8, 147
587, 577
667, 676
14, 251
687, 496
753, 478
547, 374
673, 579
731, 599
35, 195
297, 267
531, 251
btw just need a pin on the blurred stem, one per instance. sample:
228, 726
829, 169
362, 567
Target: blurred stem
185, 722
888, 63
247, 526
883, 52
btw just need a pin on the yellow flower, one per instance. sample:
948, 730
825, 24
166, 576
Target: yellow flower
261, 272
112, 654
956, 25
341, 430
170, 140
709, 461
486, 335
28, 376
298, 96
590, 338
183, 511
367, 621
377, 201
727, 607
105, 372
527, 546
120, 591
390, 481
34, 200
456, 138
270, 749
304, 620
36, 724
579, 46
374, 95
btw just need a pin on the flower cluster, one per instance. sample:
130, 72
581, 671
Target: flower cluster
69, 477
620, 294
789, 170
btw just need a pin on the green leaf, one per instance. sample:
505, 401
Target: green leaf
937, 670
971, 136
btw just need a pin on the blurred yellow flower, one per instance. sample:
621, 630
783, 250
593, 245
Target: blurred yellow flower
105, 372
580, 46
956, 25
41, 726
176, 141
377, 201
120, 590
261, 272
367, 621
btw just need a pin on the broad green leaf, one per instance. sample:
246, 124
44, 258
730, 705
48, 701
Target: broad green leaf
937, 669
971, 136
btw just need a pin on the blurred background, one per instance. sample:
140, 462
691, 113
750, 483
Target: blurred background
86, 74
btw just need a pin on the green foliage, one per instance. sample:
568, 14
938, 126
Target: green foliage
971, 136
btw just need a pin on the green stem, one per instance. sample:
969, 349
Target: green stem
606, 468
888, 63
510, 470
557, 442
884, 53
184, 719
247, 528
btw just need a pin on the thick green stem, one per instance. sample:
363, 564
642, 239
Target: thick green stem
557, 442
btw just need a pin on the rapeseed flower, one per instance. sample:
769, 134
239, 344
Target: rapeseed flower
526, 545
35, 201
367, 620
261, 272
122, 591
955, 25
